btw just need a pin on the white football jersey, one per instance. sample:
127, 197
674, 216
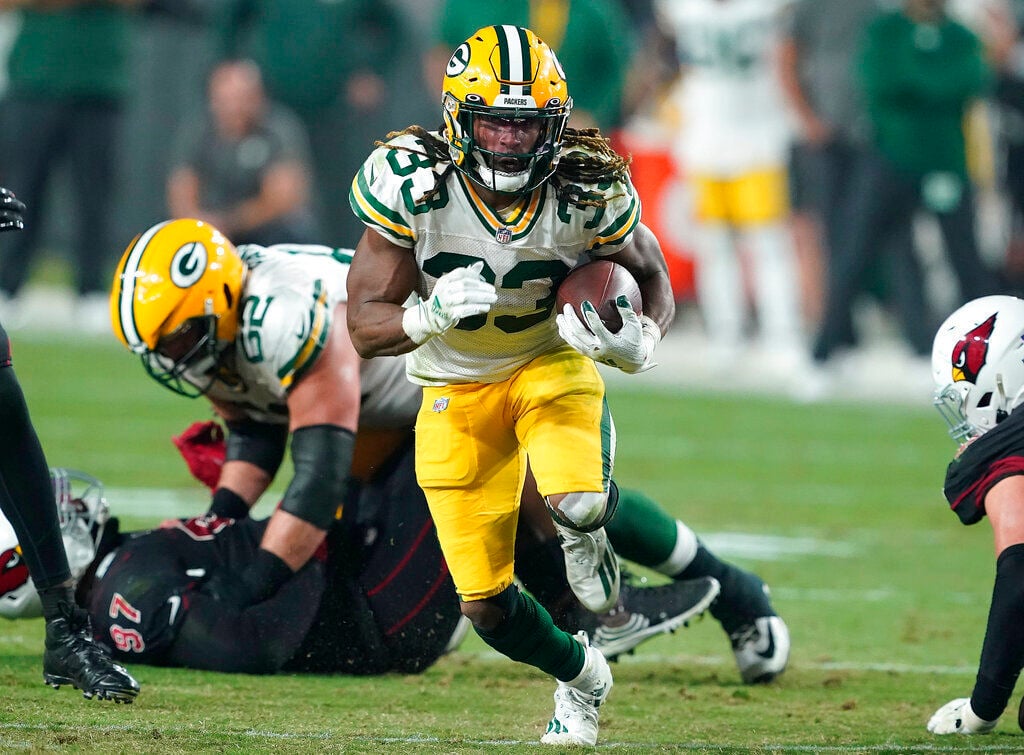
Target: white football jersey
287, 311
527, 250
735, 118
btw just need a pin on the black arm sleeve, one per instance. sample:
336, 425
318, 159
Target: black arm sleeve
259, 443
322, 455
1002, 654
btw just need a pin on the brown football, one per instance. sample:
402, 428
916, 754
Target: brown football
600, 282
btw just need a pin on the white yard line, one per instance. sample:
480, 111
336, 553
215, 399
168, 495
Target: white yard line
328, 736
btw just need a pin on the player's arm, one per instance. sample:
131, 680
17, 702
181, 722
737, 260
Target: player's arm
323, 409
253, 453
632, 347
644, 258
1002, 653
218, 635
380, 280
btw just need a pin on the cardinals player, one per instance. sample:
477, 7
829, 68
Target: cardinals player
978, 367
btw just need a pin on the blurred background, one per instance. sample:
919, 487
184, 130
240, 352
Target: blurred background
828, 179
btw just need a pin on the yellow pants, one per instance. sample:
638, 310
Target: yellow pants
472, 445
747, 199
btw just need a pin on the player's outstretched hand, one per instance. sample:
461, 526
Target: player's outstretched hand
631, 349
957, 717
459, 293
12, 211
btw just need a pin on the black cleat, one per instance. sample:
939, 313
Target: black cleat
73, 657
761, 649
759, 638
644, 612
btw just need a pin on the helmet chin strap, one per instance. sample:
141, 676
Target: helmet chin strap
1001, 412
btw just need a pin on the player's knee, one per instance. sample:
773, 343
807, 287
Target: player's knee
585, 512
487, 614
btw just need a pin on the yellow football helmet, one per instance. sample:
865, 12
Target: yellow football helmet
175, 302
508, 73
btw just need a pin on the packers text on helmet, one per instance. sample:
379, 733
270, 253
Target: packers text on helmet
505, 74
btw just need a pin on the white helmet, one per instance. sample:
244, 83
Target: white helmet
83, 513
978, 365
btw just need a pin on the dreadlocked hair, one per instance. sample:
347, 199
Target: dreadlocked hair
587, 158
433, 148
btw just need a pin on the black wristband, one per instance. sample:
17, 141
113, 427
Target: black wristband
228, 504
265, 575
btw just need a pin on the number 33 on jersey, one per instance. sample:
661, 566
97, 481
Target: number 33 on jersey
527, 250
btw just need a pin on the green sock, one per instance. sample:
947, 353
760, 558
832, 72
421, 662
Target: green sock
529, 636
641, 530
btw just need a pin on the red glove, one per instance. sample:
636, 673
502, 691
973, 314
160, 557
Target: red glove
203, 448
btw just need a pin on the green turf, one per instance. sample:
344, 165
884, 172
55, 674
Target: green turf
885, 593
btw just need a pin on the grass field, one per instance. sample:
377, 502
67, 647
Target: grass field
839, 507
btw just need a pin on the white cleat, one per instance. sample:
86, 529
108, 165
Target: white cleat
591, 567
761, 649
577, 702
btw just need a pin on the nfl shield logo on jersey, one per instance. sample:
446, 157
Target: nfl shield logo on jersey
441, 404
503, 235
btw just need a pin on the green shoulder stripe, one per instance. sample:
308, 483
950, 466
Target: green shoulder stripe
372, 212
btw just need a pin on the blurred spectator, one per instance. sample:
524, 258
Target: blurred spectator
818, 52
654, 68
170, 61
920, 72
67, 84
245, 168
1010, 101
350, 70
733, 146
593, 41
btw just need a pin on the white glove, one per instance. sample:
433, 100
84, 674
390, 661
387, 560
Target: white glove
957, 717
458, 293
631, 349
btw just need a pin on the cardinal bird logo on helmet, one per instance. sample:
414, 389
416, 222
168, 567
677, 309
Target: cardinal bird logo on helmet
13, 570
971, 352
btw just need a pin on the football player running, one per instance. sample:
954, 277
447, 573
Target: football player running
251, 328
70, 655
387, 413
978, 367
481, 221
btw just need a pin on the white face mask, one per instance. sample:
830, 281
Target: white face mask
499, 181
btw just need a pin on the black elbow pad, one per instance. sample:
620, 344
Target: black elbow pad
322, 455
259, 443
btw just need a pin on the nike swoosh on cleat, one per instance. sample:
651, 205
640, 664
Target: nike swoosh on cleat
769, 652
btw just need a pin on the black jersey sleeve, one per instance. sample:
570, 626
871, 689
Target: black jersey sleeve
147, 605
257, 640
997, 454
